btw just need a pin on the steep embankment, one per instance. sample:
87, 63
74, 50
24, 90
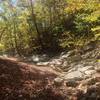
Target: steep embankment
20, 81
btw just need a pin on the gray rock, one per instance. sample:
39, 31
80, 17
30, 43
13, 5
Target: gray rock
58, 81
44, 57
72, 69
40, 58
79, 65
85, 68
35, 58
66, 55
97, 70
5, 55
74, 75
98, 84
90, 72
65, 64
42, 63
71, 83
56, 62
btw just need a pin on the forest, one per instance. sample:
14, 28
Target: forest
49, 49
29, 26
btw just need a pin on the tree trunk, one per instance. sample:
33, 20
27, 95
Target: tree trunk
36, 26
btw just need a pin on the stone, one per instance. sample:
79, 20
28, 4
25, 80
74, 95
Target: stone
35, 58
90, 81
44, 57
96, 77
97, 70
42, 63
77, 75
65, 63
40, 58
75, 58
66, 55
58, 81
56, 62
71, 83
85, 68
92, 93
72, 69
5, 55
98, 84
80, 65
90, 72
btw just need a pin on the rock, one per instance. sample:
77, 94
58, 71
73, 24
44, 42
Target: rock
90, 72
98, 84
58, 81
85, 68
97, 70
71, 83
88, 48
93, 93
51, 65
90, 81
75, 58
75, 75
80, 65
40, 58
44, 57
65, 55
65, 64
35, 58
5, 55
56, 62
97, 77
42, 63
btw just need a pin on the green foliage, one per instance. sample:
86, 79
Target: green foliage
48, 24
83, 20
1, 46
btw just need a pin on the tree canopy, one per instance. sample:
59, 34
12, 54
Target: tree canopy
30, 26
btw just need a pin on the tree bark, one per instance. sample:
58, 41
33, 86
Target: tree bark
36, 26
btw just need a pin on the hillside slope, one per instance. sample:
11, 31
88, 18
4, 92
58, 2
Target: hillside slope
20, 81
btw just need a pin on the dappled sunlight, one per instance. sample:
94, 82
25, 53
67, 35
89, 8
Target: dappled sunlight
49, 49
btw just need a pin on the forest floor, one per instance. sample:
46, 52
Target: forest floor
24, 81
21, 81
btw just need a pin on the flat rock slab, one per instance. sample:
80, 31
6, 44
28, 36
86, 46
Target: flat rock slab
85, 68
90, 72
73, 75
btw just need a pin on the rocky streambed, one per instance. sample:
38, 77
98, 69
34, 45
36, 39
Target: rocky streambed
80, 72
80, 64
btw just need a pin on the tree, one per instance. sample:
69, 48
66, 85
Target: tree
48, 25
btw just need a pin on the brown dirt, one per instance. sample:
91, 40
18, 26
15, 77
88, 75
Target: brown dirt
21, 81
